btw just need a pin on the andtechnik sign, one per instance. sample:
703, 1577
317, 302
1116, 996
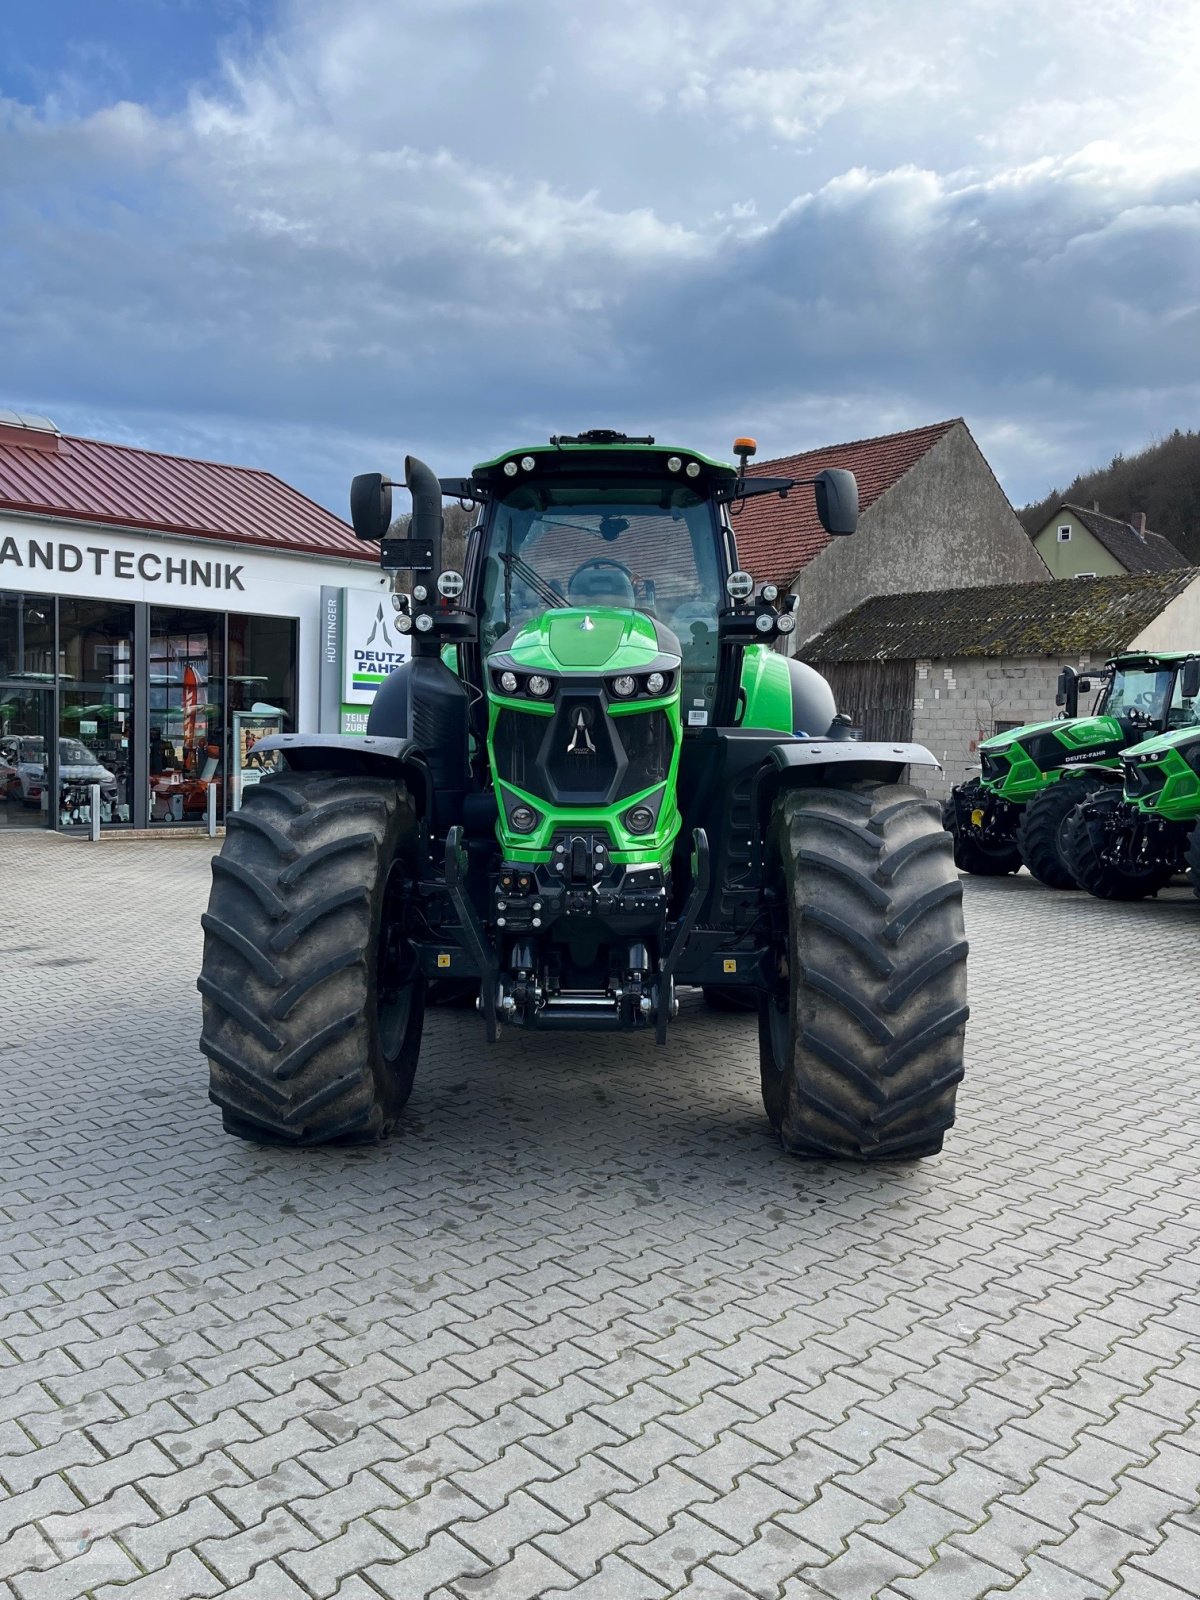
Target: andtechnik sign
372, 645
107, 561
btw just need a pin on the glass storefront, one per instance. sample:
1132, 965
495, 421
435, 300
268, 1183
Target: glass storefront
156, 741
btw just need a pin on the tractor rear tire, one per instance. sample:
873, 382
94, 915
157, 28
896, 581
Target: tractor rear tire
313, 1001
1083, 845
1041, 830
729, 998
1192, 857
861, 1037
973, 855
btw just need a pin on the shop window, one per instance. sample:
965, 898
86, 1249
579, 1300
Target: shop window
262, 694
95, 641
25, 723
27, 637
185, 720
95, 747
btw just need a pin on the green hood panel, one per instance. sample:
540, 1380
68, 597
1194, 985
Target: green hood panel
1162, 742
581, 640
1078, 734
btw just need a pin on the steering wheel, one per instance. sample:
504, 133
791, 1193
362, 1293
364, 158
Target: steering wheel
599, 563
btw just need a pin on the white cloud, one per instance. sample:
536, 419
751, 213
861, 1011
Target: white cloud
451, 222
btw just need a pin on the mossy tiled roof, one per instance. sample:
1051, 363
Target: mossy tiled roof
1066, 617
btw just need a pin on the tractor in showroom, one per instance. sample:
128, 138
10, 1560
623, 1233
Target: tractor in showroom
594, 782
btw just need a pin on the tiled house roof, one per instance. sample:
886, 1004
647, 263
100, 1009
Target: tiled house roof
1074, 615
776, 538
1137, 552
45, 473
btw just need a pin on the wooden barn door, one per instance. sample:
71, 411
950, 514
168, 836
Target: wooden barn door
876, 695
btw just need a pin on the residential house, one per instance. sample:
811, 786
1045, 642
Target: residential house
1076, 542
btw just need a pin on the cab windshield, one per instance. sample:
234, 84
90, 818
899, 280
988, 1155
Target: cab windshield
644, 547
1155, 697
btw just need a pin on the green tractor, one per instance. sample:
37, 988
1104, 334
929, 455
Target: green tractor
1032, 778
1137, 829
594, 782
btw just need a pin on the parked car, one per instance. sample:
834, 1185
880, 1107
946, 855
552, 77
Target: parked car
23, 768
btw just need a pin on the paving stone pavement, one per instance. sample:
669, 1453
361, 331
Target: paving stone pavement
582, 1328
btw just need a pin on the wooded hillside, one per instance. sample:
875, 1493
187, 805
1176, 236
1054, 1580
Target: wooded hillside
1163, 481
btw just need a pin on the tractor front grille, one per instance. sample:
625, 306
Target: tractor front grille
581, 755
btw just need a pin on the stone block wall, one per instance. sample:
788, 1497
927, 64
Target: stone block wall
958, 703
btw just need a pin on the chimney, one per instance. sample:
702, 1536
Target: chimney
1139, 524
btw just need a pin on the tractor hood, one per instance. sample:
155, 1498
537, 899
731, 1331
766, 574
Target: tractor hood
1178, 738
579, 640
1079, 733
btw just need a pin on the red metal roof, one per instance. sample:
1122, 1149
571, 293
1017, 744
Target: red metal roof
777, 538
132, 488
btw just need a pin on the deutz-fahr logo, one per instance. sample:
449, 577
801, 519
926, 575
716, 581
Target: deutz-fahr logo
581, 740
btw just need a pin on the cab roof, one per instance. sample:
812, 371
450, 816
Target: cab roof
603, 452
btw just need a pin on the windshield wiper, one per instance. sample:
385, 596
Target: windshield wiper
515, 567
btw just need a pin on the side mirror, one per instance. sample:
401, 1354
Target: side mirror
1189, 686
370, 505
1068, 692
836, 492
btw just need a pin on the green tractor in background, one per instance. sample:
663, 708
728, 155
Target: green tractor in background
617, 789
1137, 829
1032, 778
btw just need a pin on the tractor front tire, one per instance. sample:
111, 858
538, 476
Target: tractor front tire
1042, 829
313, 1002
1084, 840
861, 1035
971, 854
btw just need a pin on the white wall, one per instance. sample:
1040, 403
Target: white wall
114, 564
1177, 626
958, 703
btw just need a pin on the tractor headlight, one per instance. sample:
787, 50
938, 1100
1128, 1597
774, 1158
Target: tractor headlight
523, 819
450, 585
673, 463
785, 622
626, 684
765, 621
424, 622
692, 469
770, 593
527, 463
540, 685
510, 469
404, 622
655, 683
420, 592
739, 585
509, 682
640, 819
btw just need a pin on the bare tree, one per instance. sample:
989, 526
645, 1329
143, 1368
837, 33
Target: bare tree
457, 522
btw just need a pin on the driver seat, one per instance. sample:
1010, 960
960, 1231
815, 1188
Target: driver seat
602, 586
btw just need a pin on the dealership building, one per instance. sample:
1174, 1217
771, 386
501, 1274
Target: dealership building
158, 616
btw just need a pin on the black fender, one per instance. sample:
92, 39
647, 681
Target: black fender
808, 761
368, 755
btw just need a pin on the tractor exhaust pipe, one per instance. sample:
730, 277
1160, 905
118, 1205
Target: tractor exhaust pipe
426, 493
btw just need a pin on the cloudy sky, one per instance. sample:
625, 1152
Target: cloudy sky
312, 234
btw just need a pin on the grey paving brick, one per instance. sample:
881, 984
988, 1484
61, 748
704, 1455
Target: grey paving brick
589, 1329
